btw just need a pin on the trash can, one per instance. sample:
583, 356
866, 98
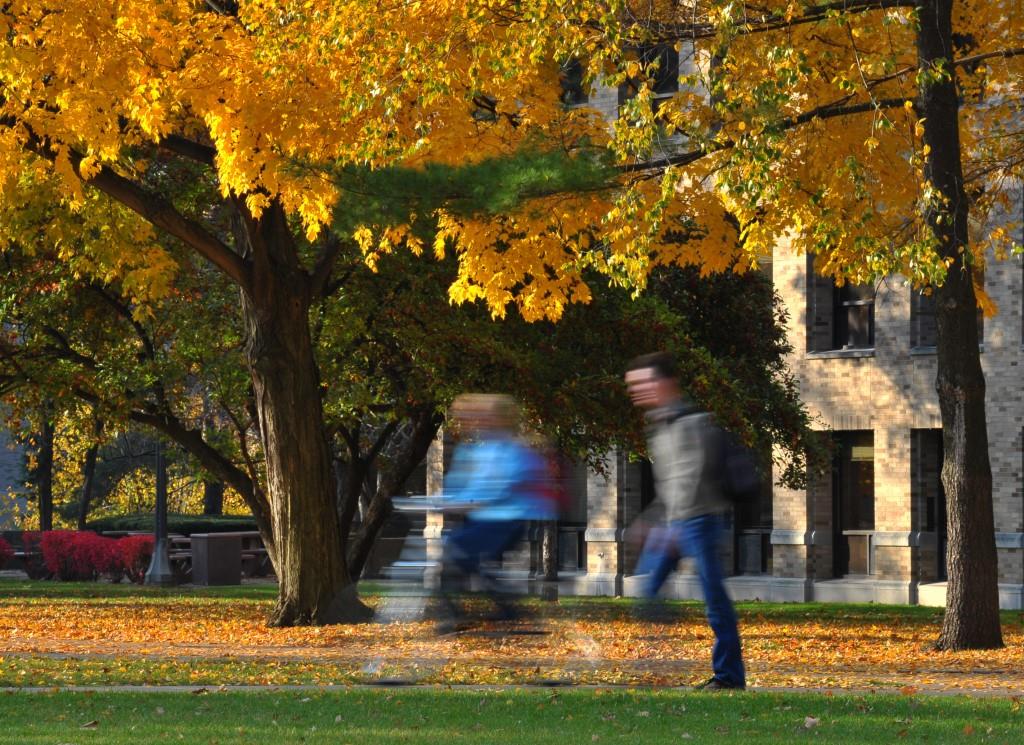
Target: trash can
216, 559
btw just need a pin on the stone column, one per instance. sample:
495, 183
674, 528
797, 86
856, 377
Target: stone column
439, 455
894, 543
605, 518
801, 539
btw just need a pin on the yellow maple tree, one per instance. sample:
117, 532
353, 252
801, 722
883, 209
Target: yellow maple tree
798, 121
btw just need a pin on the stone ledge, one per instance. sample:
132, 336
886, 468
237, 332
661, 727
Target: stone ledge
790, 538
894, 538
1011, 597
740, 587
892, 592
800, 538
602, 534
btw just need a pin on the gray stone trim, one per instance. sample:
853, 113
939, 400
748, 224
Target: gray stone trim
1009, 540
833, 354
790, 538
801, 538
602, 534
894, 538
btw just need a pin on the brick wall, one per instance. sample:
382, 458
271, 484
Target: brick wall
891, 391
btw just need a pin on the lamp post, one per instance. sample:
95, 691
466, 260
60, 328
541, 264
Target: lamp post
159, 572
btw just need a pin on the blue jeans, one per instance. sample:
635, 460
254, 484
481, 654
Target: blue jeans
477, 541
698, 537
465, 552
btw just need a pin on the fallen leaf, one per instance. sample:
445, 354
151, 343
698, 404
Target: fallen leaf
968, 729
811, 722
908, 690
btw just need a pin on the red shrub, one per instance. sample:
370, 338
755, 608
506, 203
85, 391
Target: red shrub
6, 552
73, 555
135, 552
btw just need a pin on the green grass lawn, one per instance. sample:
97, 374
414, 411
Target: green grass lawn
457, 716
47, 590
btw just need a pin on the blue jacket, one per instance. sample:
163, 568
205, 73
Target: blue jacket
499, 478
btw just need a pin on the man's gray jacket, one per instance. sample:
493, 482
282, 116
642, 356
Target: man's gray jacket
681, 440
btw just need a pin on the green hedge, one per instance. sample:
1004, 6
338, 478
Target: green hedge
183, 524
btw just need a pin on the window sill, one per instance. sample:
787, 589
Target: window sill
832, 354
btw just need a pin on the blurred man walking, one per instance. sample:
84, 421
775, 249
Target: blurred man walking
689, 504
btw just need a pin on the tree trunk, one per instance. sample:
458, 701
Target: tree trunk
314, 582
43, 475
89, 476
213, 498
88, 484
549, 560
972, 599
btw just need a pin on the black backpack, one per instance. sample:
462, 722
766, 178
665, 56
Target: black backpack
736, 467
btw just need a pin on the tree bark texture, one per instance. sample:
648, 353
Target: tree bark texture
314, 582
972, 597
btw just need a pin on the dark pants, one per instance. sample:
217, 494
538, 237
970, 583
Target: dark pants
471, 545
698, 537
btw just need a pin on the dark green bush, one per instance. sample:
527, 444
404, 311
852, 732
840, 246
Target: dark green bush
183, 524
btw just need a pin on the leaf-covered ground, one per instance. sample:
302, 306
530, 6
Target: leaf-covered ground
57, 636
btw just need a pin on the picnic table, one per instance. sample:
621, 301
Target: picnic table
218, 555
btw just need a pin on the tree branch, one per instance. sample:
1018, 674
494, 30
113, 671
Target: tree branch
213, 461
189, 149
673, 32
329, 252
155, 209
828, 111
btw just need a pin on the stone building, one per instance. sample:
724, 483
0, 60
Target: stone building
873, 529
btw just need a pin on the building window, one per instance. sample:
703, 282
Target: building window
923, 328
753, 519
838, 317
664, 80
855, 317
574, 88
853, 500
928, 498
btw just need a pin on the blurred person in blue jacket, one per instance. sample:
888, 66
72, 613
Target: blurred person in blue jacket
497, 481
